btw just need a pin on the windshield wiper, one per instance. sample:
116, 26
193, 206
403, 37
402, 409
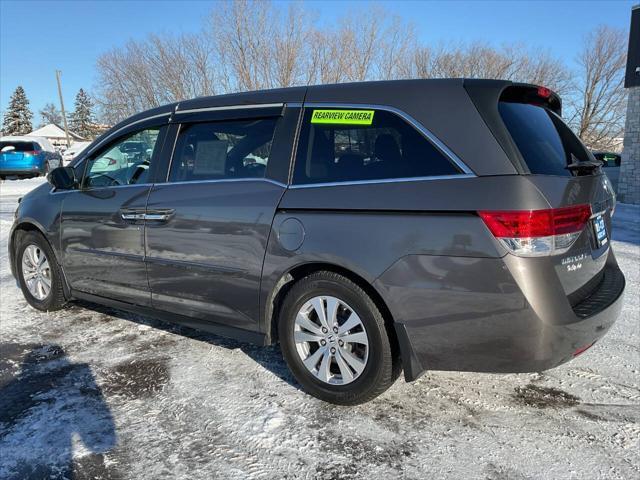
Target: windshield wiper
583, 168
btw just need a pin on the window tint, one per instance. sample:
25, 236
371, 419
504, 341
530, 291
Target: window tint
120, 164
20, 146
347, 145
219, 150
545, 142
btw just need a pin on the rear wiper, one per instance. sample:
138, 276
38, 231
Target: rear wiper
583, 168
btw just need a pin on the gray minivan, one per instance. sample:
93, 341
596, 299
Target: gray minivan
370, 228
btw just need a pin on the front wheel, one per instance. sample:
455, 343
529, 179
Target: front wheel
334, 340
39, 275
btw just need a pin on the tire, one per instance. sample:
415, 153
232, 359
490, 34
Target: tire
54, 298
329, 380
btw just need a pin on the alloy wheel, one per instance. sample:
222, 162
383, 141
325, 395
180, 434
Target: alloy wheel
331, 340
36, 272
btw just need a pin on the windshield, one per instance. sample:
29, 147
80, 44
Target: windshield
546, 144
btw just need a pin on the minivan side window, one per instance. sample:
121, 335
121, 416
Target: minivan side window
223, 150
340, 145
124, 162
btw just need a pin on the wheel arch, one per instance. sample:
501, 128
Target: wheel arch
26, 225
30, 225
300, 271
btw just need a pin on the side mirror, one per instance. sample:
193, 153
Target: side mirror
62, 178
8, 148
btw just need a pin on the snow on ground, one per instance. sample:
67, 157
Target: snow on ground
90, 392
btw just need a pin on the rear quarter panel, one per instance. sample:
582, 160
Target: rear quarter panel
367, 228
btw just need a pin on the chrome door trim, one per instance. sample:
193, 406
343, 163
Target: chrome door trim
382, 180
133, 216
229, 107
224, 180
53, 190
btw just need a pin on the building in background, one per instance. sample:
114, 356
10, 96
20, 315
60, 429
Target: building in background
629, 186
56, 135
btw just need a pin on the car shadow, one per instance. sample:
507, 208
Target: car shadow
49, 406
269, 357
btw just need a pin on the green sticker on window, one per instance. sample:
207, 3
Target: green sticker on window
343, 117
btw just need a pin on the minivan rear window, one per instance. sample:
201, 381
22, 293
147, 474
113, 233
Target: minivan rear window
546, 143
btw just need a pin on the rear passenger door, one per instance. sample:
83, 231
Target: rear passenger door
208, 224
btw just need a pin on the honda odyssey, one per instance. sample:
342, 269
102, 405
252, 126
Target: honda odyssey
369, 228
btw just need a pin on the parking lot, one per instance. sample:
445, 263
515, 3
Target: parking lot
91, 392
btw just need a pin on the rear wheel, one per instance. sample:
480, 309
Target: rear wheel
334, 340
39, 275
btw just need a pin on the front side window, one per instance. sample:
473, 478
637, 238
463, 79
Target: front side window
338, 145
223, 150
125, 162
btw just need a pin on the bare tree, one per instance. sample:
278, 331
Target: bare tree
251, 45
479, 60
154, 71
258, 45
599, 105
50, 114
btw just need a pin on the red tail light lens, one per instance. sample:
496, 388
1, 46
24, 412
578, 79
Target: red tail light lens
32, 152
537, 232
570, 219
536, 223
112, 161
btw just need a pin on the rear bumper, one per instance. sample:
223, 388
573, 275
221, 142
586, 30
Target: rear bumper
480, 320
27, 170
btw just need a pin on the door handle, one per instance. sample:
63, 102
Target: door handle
151, 215
132, 215
160, 215
157, 217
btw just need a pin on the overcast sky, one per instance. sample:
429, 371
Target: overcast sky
36, 38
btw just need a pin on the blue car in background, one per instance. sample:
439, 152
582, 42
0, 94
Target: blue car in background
25, 157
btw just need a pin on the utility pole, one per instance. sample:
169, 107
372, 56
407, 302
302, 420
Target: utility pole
64, 115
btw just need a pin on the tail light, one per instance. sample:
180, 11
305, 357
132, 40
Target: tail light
32, 152
112, 161
532, 233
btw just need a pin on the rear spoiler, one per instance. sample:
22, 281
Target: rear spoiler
534, 94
